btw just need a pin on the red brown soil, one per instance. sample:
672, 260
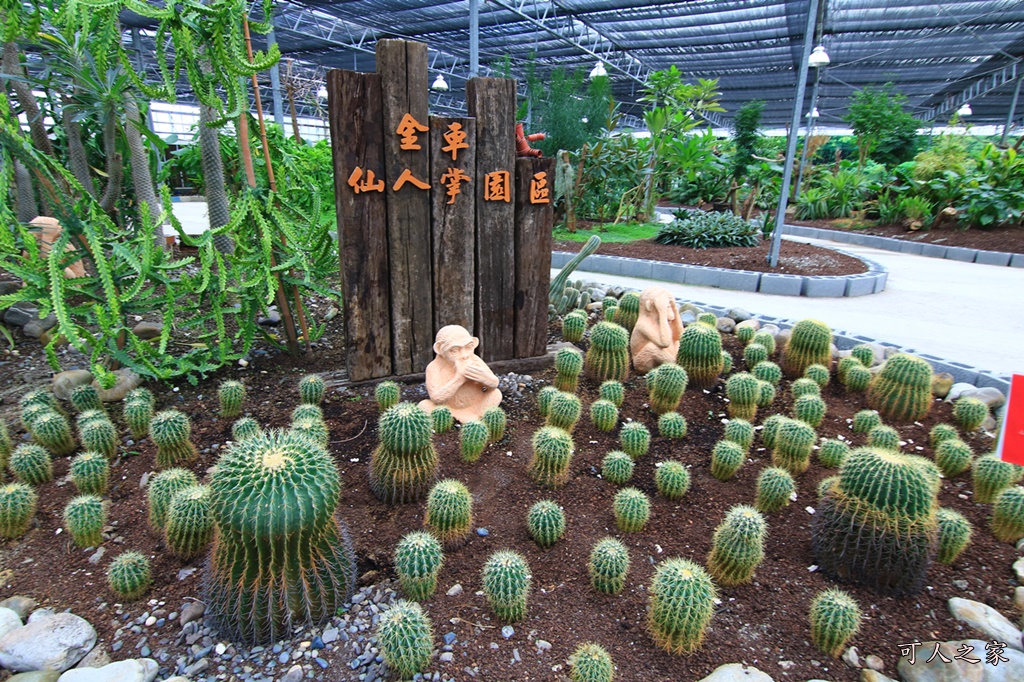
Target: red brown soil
794, 258
1007, 239
761, 624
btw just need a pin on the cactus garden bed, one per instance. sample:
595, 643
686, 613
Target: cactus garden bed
764, 623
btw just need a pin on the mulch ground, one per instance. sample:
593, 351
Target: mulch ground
794, 258
1007, 239
762, 624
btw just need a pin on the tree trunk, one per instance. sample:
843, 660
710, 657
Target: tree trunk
22, 90
76, 150
217, 205
291, 105
145, 192
115, 167
27, 207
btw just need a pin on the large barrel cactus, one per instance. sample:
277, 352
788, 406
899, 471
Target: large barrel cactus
608, 355
404, 465
280, 555
700, 354
902, 390
809, 344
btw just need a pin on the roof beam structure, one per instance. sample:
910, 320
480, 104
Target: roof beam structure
975, 90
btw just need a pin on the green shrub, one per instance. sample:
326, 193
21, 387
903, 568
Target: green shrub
406, 638
128, 575
682, 602
672, 479
737, 547
552, 455
632, 510
775, 488
617, 467
17, 507
698, 229
608, 566
954, 535
418, 559
506, 583
545, 522
835, 619
449, 514
672, 425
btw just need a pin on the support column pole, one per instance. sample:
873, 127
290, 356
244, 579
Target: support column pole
275, 81
1012, 112
807, 134
474, 38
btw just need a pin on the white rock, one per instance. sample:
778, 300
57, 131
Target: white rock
455, 590
867, 675
957, 389
294, 674
989, 395
52, 643
1018, 568
20, 605
987, 620
132, 670
9, 620
737, 672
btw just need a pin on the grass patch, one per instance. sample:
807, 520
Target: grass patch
610, 233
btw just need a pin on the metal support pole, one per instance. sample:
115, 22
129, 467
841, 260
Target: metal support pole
794, 132
474, 38
807, 135
275, 81
1013, 111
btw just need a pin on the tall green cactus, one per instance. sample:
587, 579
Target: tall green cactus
85, 517
138, 411
90, 472
700, 354
632, 510
794, 443
682, 602
726, 459
99, 435
604, 415
954, 535
171, 431
52, 431
162, 490
442, 419
1008, 515
232, 395
495, 419
775, 486
31, 464
810, 409
86, 397
574, 327
635, 439
737, 547
404, 465
473, 439
17, 507
902, 390
666, 385
743, 390
544, 398
406, 638
809, 344
564, 411
506, 583
628, 311
608, 355
556, 290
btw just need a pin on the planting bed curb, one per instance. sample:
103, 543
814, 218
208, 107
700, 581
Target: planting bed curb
861, 284
1013, 260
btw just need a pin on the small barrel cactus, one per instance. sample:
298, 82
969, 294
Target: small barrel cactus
591, 663
564, 411
33, 411
388, 394
682, 602
832, 452
737, 547
941, 432
743, 390
1008, 515
635, 439
857, 379
568, 365
672, 425
628, 311
243, 428
39, 396
710, 319
775, 488
17, 507
171, 431
311, 389
608, 566
604, 415
162, 489
506, 583
902, 390
884, 437
835, 619
495, 419
612, 391
406, 638
312, 428
700, 354
552, 455
632, 510
617, 467
865, 420
404, 465
449, 514
442, 419
726, 459
809, 343
771, 429
86, 397
726, 362
544, 398
574, 327
809, 409
189, 522
128, 575
765, 394
745, 333
953, 457
954, 535
418, 559
671, 479
473, 438
545, 522
794, 443
31, 464
768, 371
666, 385
765, 338
99, 435
609, 313
819, 374
608, 355
754, 355
85, 517
864, 353
825, 484
804, 386
232, 395
970, 413
90, 472
739, 431
307, 411
138, 411
845, 365
52, 431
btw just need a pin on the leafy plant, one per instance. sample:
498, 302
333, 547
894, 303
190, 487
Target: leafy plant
885, 131
702, 230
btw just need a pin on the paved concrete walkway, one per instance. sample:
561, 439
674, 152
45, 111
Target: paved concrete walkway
964, 312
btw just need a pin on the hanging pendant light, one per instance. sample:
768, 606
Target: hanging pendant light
598, 71
439, 84
814, 113
322, 92
965, 110
818, 57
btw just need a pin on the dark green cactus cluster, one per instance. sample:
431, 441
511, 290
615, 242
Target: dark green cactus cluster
171, 431
832, 452
568, 366
608, 355
700, 354
754, 355
953, 457
1007, 522
232, 395
941, 432
604, 415
682, 602
495, 419
387, 394
902, 390
671, 479
189, 526
743, 390
280, 554
612, 391
970, 413
819, 374
617, 467
552, 455
804, 386
877, 525
591, 663
954, 535
17, 507
810, 343
86, 397
404, 465
739, 431
635, 439
138, 411
544, 398
771, 428
564, 411
51, 430
809, 409
90, 472
865, 420
129, 575
775, 488
162, 489
794, 443
243, 428
726, 459
442, 419
473, 439
406, 638
545, 521
574, 326
97, 433
672, 425
311, 389
737, 547
418, 560
628, 311
991, 476
84, 517
632, 510
608, 566
31, 464
506, 583
835, 618
885, 437
666, 385
768, 371
449, 514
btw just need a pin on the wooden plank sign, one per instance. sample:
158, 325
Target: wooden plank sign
533, 239
1011, 436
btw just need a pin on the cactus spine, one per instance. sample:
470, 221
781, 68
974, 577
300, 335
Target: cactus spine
742, 390
726, 459
311, 389
442, 419
682, 602
612, 391
635, 439
970, 413
628, 311
617, 467
604, 415
739, 431
86, 397
737, 547
700, 354
608, 355
170, 431
52, 431
17, 507
388, 394
832, 453
243, 428
162, 490
768, 371
953, 457
809, 409
809, 344
495, 419
31, 465
794, 442
473, 437
90, 472
128, 575
449, 514
835, 619
632, 510
406, 638
991, 476
865, 420
552, 454
545, 522
506, 583
232, 395
574, 327
189, 526
954, 535
85, 517
672, 480
666, 385
418, 559
902, 390
775, 488
672, 425
404, 465
608, 566
564, 411
591, 663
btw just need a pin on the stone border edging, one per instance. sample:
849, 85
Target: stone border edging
929, 250
862, 284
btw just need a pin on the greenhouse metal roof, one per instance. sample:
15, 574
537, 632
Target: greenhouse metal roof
940, 54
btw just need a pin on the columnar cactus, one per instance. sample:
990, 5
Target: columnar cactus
739, 431
768, 371
794, 442
17, 507
671, 479
90, 472
232, 395
418, 559
85, 517
902, 390
545, 521
574, 326
404, 465
604, 415
726, 459
388, 394
608, 355
743, 390
311, 389
635, 439
506, 583
99, 435
189, 526
243, 428
954, 535
495, 419
771, 429
612, 391
449, 514
809, 409
754, 355
877, 523
970, 413
128, 575
170, 431
280, 554
162, 489
31, 464
883, 436
953, 457
804, 386
810, 343
666, 385
1008, 515
564, 411
672, 425
544, 398
835, 619
608, 566
442, 419
865, 420
737, 547
617, 467
406, 638
775, 488
941, 432
552, 454
765, 394
591, 663
857, 379
766, 339
568, 365
819, 374
138, 411
632, 510
992, 476
864, 353
86, 397
832, 452
700, 354
628, 311
682, 602
52, 431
